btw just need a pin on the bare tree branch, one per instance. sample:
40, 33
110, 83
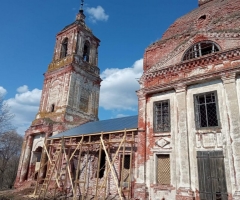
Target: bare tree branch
10, 149
5, 116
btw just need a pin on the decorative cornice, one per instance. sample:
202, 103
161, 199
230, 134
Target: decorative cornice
190, 80
217, 57
189, 42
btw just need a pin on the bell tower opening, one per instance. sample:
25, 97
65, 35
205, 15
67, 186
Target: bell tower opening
86, 51
64, 48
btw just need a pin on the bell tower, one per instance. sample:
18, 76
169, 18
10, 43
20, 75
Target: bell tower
72, 82
70, 95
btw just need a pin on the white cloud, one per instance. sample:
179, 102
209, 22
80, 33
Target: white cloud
24, 106
3, 91
121, 115
22, 89
118, 88
97, 14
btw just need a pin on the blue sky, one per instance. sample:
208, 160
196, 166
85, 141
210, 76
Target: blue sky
125, 28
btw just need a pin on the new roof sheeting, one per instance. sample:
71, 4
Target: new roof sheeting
109, 125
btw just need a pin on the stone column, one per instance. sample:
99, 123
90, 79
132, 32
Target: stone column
26, 159
20, 163
184, 190
44, 159
140, 185
229, 83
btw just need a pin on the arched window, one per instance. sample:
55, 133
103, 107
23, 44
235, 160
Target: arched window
64, 48
86, 51
200, 49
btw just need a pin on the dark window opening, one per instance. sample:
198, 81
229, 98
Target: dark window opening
127, 162
38, 154
162, 116
102, 164
200, 49
86, 51
64, 48
52, 108
126, 168
206, 110
203, 17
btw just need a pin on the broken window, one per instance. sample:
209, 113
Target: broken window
64, 48
163, 169
200, 49
161, 119
86, 51
206, 110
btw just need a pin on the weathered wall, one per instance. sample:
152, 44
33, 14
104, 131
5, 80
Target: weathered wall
167, 77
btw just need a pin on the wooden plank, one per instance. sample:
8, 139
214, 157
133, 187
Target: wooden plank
86, 169
77, 172
93, 134
68, 169
98, 170
123, 160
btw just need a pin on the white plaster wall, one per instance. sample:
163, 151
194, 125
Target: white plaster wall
38, 141
199, 140
151, 165
211, 138
77, 83
238, 89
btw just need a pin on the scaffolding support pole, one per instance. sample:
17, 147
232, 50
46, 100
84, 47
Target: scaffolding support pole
111, 168
78, 168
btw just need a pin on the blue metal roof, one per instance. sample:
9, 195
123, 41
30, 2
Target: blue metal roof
109, 125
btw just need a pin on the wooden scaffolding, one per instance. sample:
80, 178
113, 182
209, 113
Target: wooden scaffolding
91, 166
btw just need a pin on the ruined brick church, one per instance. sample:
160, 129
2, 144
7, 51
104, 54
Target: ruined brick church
185, 142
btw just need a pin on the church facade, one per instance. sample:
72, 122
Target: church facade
185, 142
189, 107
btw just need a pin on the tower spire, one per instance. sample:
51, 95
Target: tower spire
80, 16
82, 3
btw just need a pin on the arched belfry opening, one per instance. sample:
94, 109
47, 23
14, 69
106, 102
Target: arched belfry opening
86, 51
64, 48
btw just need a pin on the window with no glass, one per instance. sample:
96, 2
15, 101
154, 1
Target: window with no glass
64, 48
161, 121
200, 49
86, 51
163, 169
126, 168
206, 110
